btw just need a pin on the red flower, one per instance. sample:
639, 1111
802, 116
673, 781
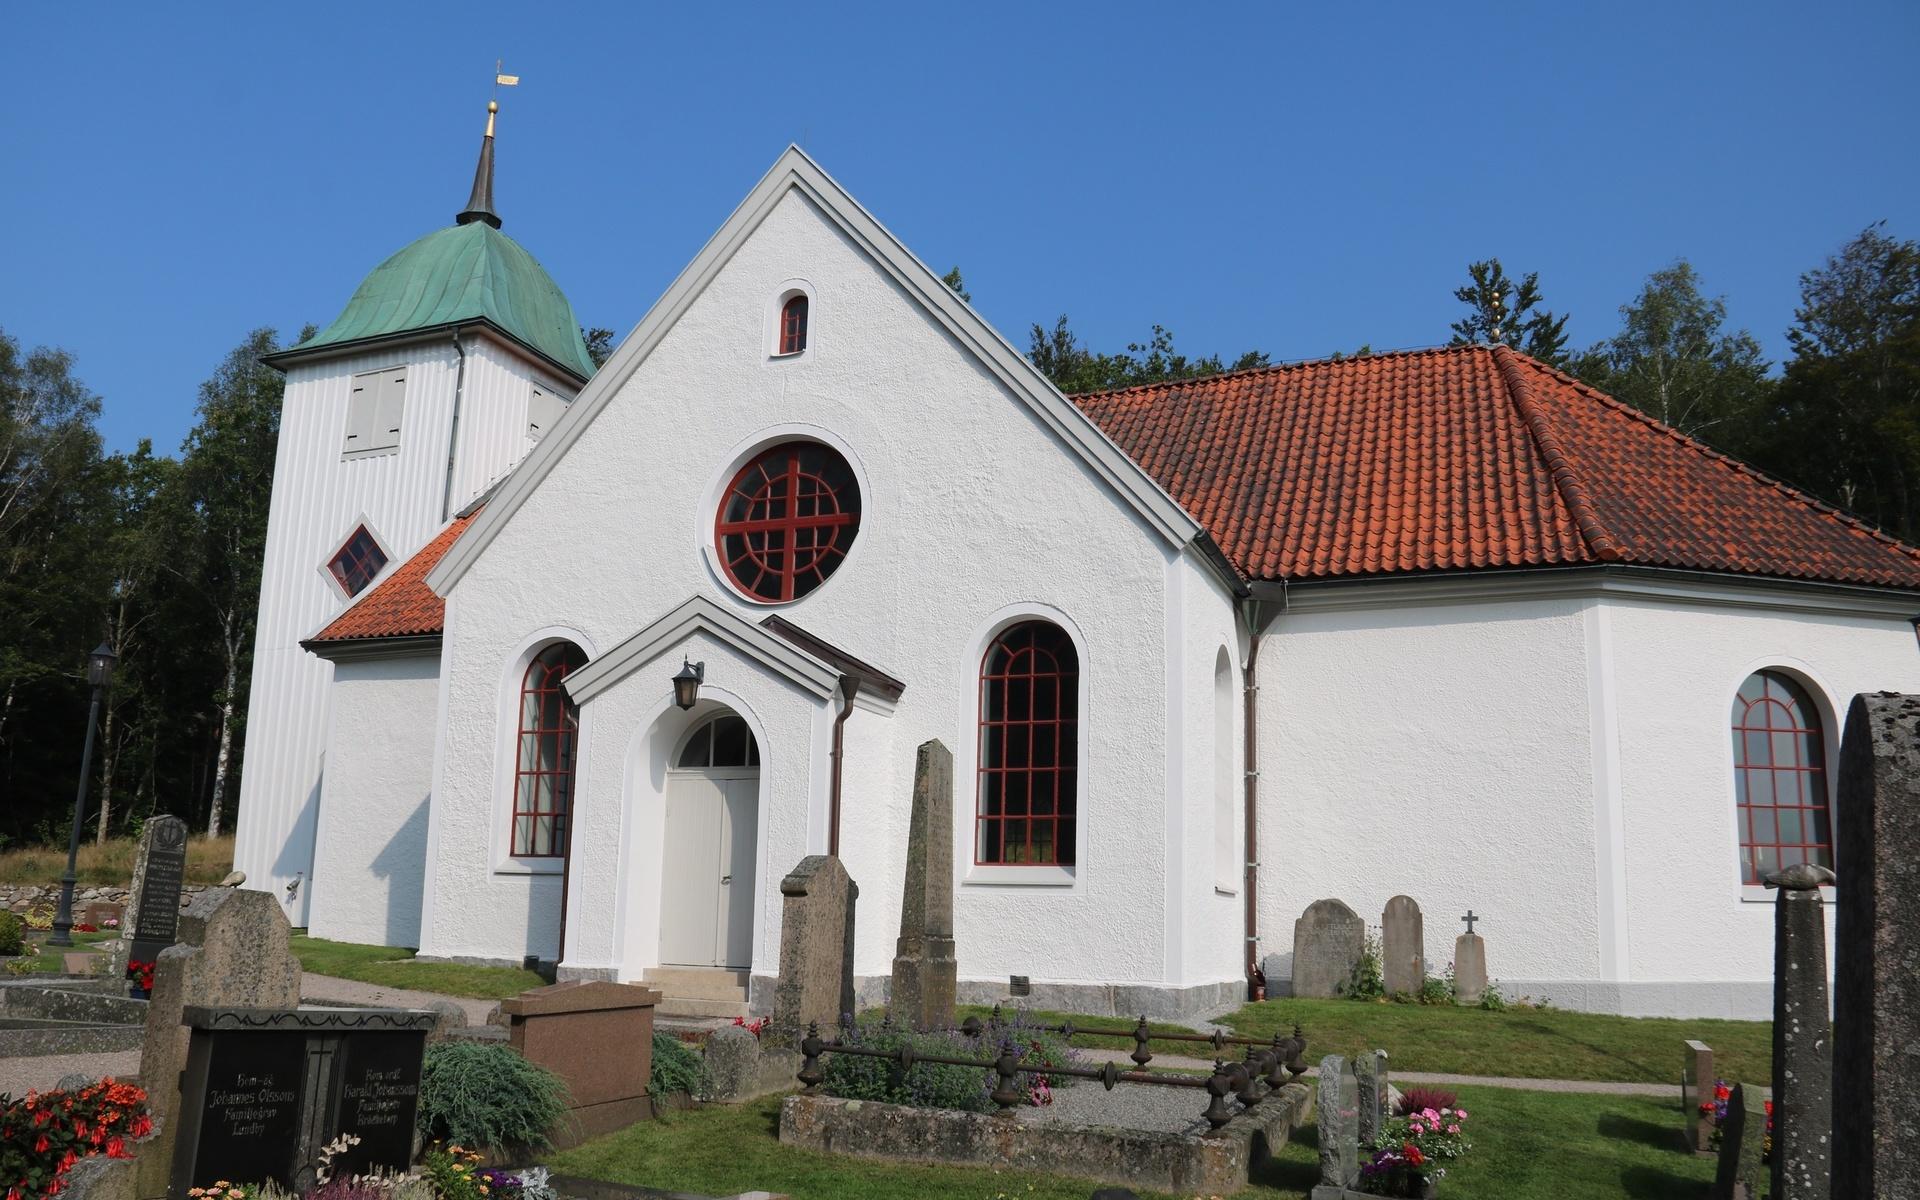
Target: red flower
1414, 1157
40, 1144
117, 1148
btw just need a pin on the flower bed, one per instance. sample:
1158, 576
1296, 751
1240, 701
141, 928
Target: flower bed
1411, 1154
44, 1134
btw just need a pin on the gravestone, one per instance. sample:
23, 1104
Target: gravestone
232, 952
1337, 1112
1403, 947
159, 868
1370, 1090
1696, 1089
816, 947
924, 969
598, 1038
1328, 940
1740, 1175
265, 1088
1876, 990
1802, 1037
1469, 964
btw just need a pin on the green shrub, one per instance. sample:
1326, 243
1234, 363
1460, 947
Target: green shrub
13, 933
483, 1094
676, 1068
1435, 990
944, 1085
1366, 982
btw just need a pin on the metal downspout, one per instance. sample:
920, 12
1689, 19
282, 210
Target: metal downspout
453, 444
1255, 614
849, 687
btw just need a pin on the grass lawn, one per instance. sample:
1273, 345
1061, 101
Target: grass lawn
52, 959
1527, 1146
394, 966
1527, 1043
110, 864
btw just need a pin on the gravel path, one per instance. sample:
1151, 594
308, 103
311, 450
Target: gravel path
41, 1072
326, 989
1598, 1087
1127, 1106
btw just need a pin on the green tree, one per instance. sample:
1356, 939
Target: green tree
1675, 360
1074, 368
953, 280
1847, 421
1501, 311
599, 342
216, 524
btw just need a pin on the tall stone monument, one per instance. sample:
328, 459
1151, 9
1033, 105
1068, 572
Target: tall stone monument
1328, 940
1876, 990
1403, 946
1802, 1037
1469, 964
816, 947
925, 973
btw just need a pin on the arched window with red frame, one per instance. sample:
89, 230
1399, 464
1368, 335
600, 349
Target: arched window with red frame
787, 520
1779, 777
1029, 777
549, 725
793, 324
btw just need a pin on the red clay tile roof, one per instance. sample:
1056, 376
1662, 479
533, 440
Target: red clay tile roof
401, 605
1467, 457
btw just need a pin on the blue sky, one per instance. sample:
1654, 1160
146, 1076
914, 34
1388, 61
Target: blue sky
1300, 179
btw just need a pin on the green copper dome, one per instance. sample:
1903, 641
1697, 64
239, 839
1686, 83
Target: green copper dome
470, 271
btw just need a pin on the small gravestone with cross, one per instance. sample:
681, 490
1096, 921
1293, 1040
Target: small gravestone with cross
1469, 964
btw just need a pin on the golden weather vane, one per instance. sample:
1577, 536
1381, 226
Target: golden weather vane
500, 80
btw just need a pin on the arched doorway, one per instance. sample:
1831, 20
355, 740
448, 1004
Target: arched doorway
708, 855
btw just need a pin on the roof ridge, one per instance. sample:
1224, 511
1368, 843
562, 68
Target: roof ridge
1270, 368
1566, 480
1738, 466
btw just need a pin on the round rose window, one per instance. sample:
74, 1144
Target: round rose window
787, 520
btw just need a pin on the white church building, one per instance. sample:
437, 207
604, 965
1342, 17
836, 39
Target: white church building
1445, 623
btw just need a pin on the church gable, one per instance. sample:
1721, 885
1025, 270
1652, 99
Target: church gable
795, 177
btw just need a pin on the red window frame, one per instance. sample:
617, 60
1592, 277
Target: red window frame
1026, 802
793, 325
358, 560
548, 736
1780, 778
787, 520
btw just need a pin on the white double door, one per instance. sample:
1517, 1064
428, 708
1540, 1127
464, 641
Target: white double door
706, 897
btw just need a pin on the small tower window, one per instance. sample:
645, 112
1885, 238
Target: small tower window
356, 563
793, 325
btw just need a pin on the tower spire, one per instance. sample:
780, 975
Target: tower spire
480, 203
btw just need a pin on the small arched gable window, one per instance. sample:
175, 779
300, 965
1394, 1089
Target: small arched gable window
793, 324
548, 739
1028, 787
724, 741
1779, 777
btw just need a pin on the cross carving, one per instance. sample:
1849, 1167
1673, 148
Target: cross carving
1469, 919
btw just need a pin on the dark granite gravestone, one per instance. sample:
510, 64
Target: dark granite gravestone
265, 1089
1876, 989
1328, 940
160, 868
1802, 1037
1403, 947
1739, 1175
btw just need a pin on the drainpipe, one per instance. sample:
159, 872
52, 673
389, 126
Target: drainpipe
453, 430
1250, 680
849, 687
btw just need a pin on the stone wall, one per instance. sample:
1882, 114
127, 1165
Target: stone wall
19, 897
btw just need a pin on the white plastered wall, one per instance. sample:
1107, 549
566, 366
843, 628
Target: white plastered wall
971, 509
1687, 919
1442, 752
371, 847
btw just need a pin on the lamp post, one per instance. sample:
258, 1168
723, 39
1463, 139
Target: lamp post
99, 674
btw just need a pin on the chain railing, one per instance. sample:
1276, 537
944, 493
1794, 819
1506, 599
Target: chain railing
1265, 1069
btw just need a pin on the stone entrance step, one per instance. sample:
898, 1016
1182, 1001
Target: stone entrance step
699, 991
